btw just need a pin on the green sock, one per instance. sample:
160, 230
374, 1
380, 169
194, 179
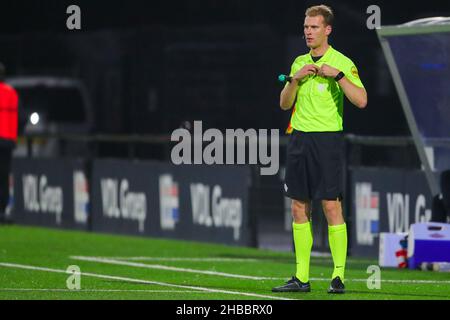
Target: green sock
337, 237
303, 240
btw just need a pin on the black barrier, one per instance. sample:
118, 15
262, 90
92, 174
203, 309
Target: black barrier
222, 204
190, 202
51, 192
385, 200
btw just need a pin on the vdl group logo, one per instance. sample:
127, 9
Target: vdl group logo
39, 196
121, 202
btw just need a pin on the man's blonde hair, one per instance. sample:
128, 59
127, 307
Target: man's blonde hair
322, 10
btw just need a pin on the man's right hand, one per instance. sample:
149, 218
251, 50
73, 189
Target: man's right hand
287, 96
308, 69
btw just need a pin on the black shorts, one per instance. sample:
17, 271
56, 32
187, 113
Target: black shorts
315, 166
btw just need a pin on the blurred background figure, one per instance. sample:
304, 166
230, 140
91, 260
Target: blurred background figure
8, 136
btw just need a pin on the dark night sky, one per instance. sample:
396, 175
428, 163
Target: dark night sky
383, 116
20, 15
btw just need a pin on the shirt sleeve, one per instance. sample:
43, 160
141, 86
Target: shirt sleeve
351, 73
292, 69
296, 65
291, 73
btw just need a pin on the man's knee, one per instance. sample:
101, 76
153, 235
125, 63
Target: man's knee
333, 211
300, 211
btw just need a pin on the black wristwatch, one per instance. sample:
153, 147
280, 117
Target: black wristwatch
339, 76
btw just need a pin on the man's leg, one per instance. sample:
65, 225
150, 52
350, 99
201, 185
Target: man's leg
303, 238
5, 164
337, 236
302, 231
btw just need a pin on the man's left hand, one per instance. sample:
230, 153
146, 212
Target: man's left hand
328, 71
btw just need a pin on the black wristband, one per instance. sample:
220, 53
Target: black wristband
339, 76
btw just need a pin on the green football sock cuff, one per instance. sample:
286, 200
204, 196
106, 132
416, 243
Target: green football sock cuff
337, 237
303, 240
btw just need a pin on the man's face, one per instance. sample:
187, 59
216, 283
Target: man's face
316, 33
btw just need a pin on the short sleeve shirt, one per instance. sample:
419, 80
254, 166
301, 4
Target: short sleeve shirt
319, 102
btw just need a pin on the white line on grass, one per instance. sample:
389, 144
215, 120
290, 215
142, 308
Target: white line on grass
99, 290
318, 257
182, 259
398, 281
102, 276
167, 268
238, 276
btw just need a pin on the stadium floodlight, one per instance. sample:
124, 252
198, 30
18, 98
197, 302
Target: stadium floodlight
418, 56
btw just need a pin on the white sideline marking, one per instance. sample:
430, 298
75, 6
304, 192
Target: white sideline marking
99, 290
161, 267
314, 258
399, 281
318, 257
238, 276
102, 276
317, 254
182, 259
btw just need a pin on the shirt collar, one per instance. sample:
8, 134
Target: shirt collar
325, 57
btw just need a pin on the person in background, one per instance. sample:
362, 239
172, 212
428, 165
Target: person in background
8, 136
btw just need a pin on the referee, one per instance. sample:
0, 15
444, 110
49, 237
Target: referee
314, 169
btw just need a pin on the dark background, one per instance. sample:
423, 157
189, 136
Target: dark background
150, 65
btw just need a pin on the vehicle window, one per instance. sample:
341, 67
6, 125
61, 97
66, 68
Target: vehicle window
55, 104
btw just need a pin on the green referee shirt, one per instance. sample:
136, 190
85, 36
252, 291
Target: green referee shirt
319, 102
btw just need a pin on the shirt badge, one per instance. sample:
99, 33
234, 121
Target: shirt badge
355, 72
322, 87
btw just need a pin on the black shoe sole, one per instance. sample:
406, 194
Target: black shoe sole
291, 290
336, 291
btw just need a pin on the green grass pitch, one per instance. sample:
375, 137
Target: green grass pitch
33, 264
